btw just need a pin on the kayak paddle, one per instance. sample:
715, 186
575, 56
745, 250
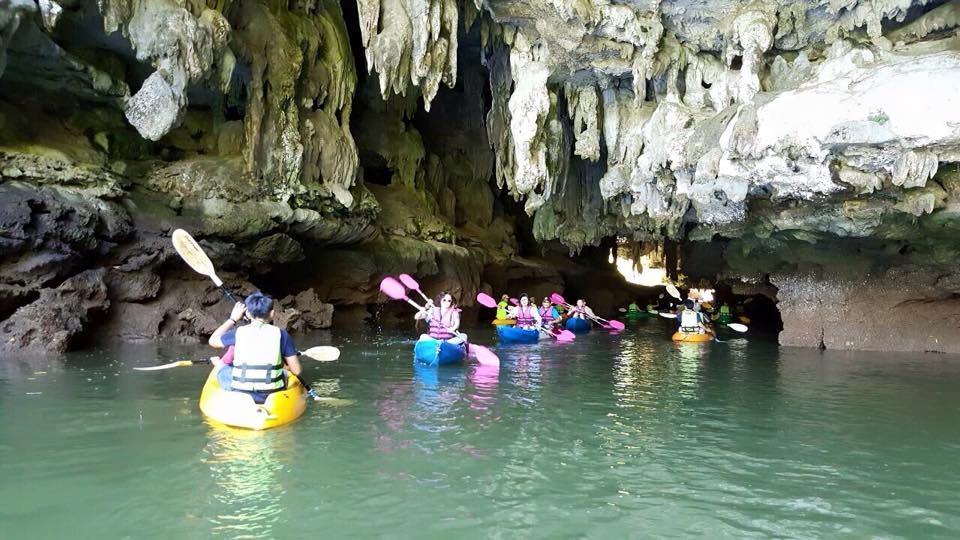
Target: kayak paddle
672, 291
395, 290
179, 363
736, 327
616, 325
320, 353
411, 283
486, 300
192, 254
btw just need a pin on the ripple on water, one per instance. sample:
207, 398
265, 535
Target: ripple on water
627, 436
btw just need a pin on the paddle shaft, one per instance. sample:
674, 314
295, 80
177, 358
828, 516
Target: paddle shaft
585, 314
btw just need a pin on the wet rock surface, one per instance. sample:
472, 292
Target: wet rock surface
313, 147
901, 310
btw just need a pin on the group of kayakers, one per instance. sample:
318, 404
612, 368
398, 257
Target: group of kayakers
692, 315
258, 352
526, 315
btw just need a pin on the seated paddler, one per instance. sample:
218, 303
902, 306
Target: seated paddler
443, 320
526, 315
260, 350
548, 313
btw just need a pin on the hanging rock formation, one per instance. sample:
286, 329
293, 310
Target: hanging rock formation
805, 148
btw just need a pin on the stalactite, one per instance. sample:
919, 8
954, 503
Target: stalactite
411, 42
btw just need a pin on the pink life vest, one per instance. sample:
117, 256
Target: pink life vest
440, 324
546, 314
525, 318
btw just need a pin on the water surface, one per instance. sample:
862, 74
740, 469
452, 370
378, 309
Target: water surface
612, 436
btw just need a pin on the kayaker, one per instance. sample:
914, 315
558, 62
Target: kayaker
651, 308
581, 310
633, 308
548, 313
260, 350
527, 316
691, 320
443, 321
503, 307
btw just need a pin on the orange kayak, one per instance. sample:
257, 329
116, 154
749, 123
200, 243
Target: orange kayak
691, 337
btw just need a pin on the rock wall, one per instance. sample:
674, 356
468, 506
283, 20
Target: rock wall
900, 310
392, 135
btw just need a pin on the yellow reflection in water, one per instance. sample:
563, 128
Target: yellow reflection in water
247, 469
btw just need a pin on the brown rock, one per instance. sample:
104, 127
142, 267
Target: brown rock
54, 320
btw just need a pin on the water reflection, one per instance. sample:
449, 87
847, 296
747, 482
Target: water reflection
247, 468
436, 391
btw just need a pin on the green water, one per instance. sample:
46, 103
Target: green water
609, 437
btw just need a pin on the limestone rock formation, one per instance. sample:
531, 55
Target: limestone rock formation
411, 42
182, 47
767, 140
58, 316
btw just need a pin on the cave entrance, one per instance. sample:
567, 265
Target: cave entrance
759, 308
763, 315
645, 273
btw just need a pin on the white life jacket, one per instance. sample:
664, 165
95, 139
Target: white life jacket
689, 320
257, 363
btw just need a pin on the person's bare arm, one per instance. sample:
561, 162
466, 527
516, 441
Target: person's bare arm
454, 322
236, 315
293, 363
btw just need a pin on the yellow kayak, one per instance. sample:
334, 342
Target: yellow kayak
237, 409
504, 322
691, 337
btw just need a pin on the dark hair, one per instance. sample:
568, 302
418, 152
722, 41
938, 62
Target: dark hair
453, 299
259, 305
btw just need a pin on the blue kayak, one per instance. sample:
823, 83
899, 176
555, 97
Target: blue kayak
512, 334
578, 326
437, 352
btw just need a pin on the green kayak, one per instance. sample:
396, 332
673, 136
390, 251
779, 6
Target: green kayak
638, 315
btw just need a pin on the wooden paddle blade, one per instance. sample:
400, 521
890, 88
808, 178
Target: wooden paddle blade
192, 254
393, 288
672, 291
486, 300
557, 299
483, 355
737, 327
622, 310
322, 353
617, 325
